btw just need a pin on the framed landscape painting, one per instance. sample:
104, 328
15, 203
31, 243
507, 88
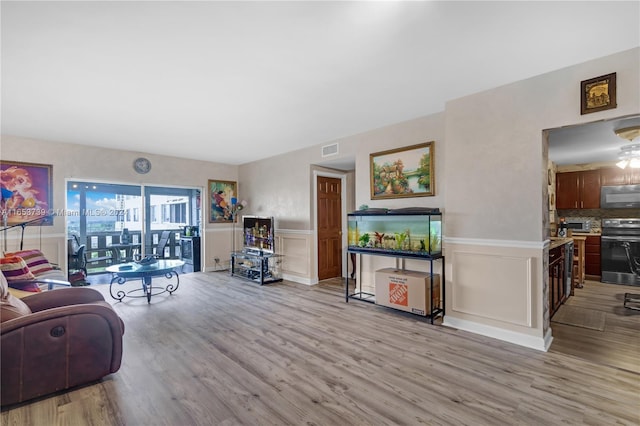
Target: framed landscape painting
26, 192
403, 172
220, 194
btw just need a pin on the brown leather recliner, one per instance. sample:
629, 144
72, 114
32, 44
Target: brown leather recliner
55, 340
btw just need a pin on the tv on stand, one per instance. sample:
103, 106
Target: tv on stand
258, 234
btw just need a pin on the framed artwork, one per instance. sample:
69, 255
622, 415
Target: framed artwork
26, 192
403, 172
598, 94
220, 194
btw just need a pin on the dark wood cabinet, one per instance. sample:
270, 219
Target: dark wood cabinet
557, 278
190, 252
578, 190
592, 255
567, 193
612, 176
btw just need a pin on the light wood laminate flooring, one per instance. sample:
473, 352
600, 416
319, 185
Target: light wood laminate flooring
618, 345
222, 351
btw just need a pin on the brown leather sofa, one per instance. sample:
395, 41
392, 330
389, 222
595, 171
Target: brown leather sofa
55, 340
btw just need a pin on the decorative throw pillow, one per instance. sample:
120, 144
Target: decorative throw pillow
14, 269
34, 259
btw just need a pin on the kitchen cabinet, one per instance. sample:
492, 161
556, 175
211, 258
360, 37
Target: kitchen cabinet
578, 190
557, 278
612, 176
592, 255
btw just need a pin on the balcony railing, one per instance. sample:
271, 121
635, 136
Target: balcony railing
100, 255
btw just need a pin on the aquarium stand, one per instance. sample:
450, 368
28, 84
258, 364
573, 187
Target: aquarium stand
358, 294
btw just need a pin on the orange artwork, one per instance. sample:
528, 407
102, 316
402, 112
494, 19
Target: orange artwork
26, 192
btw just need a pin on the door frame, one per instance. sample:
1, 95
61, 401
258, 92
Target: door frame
343, 206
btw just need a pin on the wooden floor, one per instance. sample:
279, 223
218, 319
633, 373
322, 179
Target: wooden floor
619, 344
221, 351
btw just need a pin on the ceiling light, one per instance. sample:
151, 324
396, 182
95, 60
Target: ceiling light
622, 163
628, 133
630, 153
629, 156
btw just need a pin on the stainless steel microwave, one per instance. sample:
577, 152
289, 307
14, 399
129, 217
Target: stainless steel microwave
578, 225
620, 197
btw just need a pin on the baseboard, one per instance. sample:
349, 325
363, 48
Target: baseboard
299, 280
537, 343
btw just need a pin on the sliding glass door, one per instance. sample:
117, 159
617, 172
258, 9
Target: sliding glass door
116, 222
97, 215
169, 209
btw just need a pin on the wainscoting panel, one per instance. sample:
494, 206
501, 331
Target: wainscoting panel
490, 286
297, 254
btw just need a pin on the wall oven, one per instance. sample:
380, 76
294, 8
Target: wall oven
620, 251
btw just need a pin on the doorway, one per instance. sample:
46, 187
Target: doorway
584, 150
329, 226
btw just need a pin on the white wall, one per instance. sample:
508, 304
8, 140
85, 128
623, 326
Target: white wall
72, 161
497, 194
491, 184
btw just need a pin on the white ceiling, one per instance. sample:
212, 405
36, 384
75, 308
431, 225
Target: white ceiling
234, 82
594, 142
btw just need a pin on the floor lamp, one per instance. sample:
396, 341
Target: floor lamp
235, 208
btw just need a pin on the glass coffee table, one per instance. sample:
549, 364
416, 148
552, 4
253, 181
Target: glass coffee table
145, 272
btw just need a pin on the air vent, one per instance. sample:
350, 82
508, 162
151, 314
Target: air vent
328, 150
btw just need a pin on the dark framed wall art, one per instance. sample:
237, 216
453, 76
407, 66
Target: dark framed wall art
598, 94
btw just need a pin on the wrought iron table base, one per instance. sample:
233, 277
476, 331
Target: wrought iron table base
146, 288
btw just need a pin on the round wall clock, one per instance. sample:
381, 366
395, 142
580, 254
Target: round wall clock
142, 165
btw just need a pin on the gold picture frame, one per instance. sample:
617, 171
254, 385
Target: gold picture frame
598, 94
403, 172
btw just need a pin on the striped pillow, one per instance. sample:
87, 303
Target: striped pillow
14, 269
34, 259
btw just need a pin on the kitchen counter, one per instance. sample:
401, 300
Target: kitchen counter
559, 241
586, 234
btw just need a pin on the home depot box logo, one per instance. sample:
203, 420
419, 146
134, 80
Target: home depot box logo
399, 294
407, 290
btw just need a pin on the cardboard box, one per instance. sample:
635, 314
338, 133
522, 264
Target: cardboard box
406, 290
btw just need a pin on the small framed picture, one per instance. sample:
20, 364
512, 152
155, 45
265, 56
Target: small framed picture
598, 94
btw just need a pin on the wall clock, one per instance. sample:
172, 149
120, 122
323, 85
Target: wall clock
142, 165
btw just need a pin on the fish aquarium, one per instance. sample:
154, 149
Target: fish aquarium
411, 232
